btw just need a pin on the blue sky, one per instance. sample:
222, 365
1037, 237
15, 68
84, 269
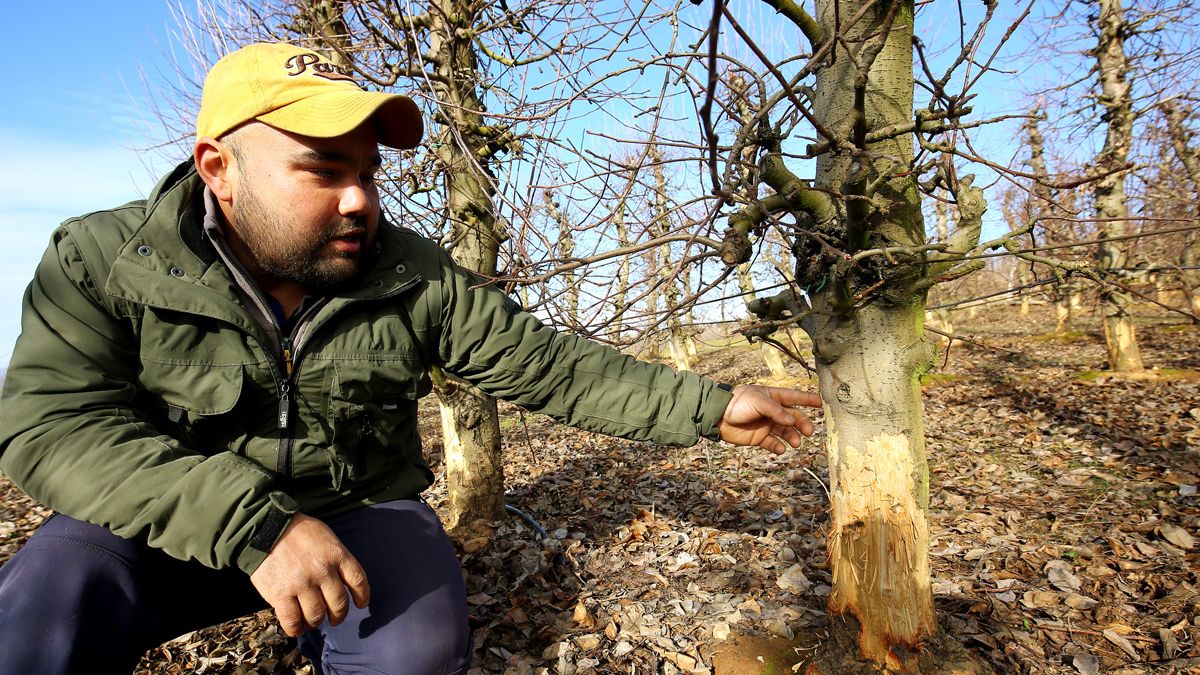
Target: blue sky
77, 120
73, 117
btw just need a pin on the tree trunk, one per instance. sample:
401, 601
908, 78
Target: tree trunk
688, 330
879, 481
1119, 334
654, 338
324, 24
470, 424
618, 322
1188, 155
1162, 287
565, 252
668, 270
773, 361
770, 355
1044, 204
679, 352
474, 471
1062, 314
943, 320
869, 360
1191, 275
474, 468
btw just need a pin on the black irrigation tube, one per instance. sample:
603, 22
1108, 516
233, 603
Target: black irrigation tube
537, 527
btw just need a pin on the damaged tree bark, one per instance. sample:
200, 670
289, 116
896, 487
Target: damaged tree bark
470, 423
866, 324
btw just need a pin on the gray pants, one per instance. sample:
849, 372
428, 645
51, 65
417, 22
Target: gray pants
78, 599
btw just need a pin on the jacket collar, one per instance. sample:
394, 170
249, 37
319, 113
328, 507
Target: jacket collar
168, 262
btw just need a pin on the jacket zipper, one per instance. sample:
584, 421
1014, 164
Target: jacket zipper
289, 348
285, 384
289, 353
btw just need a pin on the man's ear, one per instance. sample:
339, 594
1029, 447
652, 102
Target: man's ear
215, 164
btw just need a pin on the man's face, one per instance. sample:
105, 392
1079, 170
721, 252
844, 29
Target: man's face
305, 210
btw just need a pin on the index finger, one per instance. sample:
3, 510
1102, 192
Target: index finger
793, 397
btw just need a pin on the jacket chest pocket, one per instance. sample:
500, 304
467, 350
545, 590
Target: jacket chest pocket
373, 414
197, 401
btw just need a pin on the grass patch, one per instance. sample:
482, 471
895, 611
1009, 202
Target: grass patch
1175, 374
1149, 375
1178, 328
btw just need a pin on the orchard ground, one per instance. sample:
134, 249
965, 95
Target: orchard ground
1064, 512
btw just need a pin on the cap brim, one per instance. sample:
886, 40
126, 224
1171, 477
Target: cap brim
397, 119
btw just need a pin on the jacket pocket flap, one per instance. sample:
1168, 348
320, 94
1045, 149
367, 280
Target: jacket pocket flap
200, 390
379, 380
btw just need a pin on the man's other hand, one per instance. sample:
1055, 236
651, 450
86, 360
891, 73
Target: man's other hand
763, 416
306, 574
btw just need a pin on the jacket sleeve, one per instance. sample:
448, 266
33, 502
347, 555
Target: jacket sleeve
73, 438
488, 340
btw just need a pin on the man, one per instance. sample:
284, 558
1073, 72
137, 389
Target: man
216, 391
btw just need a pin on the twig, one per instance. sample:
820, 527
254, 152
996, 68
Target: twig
710, 134
821, 482
1080, 631
952, 336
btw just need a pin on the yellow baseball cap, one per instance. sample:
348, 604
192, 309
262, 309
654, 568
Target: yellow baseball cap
301, 91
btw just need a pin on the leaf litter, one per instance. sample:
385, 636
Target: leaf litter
1063, 510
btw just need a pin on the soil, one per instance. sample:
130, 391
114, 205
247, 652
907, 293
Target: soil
1064, 513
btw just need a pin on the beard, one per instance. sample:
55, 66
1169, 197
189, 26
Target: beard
304, 258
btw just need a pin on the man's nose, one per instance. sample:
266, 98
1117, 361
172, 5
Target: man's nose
355, 201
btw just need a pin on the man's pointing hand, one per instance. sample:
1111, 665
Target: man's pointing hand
764, 416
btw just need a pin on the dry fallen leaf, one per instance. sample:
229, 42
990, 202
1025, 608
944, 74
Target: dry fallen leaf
1125, 645
1080, 602
1178, 536
1086, 664
793, 580
475, 545
582, 617
1061, 576
1040, 599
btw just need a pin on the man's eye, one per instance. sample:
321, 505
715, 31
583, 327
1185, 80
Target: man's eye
325, 174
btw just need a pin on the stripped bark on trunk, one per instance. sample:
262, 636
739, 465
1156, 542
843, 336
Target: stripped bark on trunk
470, 423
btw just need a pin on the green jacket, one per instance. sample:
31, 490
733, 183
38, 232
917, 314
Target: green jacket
143, 397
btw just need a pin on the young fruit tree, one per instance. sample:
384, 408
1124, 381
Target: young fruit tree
865, 265
1119, 71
